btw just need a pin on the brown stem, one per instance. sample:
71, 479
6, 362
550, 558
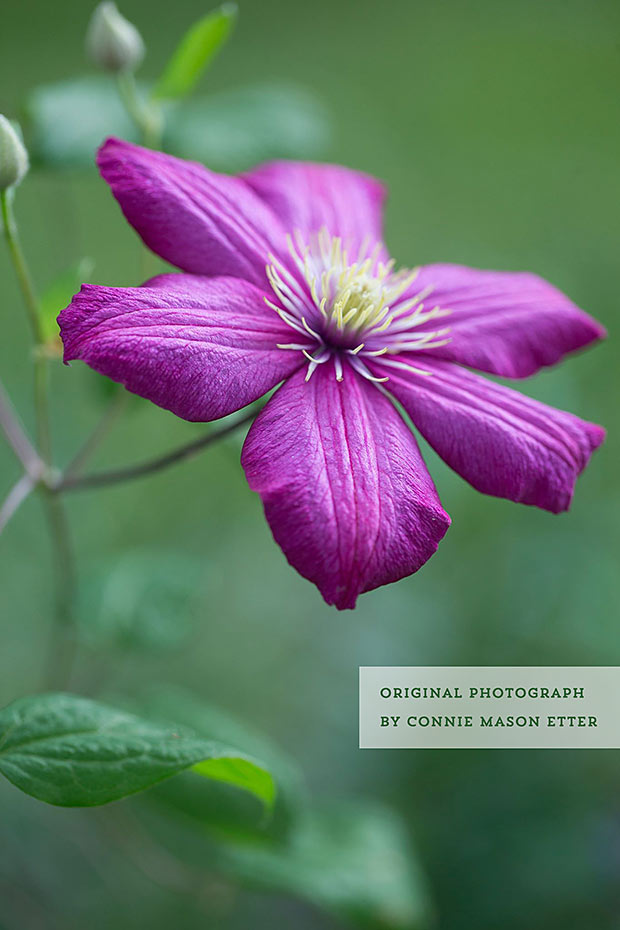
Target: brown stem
16, 496
17, 437
115, 476
99, 433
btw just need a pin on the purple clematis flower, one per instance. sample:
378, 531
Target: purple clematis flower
285, 281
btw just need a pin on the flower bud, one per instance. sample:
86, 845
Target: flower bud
112, 42
13, 155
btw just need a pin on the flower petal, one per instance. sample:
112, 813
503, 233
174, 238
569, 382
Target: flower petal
345, 489
308, 196
200, 221
506, 323
200, 347
501, 441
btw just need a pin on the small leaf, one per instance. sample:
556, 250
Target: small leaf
75, 752
235, 129
69, 120
195, 52
59, 293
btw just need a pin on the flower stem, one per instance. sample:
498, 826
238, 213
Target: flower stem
19, 263
61, 655
69, 482
101, 430
16, 496
17, 437
32, 309
61, 651
145, 114
41, 405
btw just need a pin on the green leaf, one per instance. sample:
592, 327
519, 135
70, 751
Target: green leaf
69, 120
235, 129
351, 860
182, 707
205, 802
59, 293
195, 52
75, 752
236, 772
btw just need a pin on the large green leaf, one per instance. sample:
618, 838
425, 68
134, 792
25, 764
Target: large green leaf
195, 52
235, 129
75, 752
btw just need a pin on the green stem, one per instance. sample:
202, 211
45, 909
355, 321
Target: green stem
61, 652
19, 263
41, 405
145, 113
61, 656
31, 303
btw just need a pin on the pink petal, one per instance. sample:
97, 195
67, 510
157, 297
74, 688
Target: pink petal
501, 441
506, 323
200, 347
308, 196
345, 489
200, 221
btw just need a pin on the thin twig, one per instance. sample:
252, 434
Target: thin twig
114, 476
39, 467
18, 493
17, 437
41, 405
31, 304
19, 263
99, 433
61, 653
145, 113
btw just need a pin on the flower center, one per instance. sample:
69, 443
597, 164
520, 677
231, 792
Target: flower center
350, 309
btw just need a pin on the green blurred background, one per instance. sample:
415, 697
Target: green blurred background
496, 125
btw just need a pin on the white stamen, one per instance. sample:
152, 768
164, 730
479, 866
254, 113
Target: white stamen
311, 369
350, 310
396, 364
359, 366
311, 331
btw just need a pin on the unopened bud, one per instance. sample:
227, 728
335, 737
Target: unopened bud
112, 42
13, 155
